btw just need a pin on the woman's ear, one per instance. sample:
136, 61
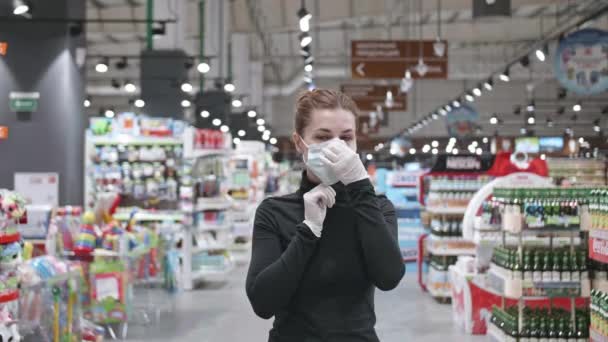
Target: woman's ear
295, 137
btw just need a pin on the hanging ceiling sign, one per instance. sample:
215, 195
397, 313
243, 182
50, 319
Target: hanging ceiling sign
3, 48
391, 58
23, 102
462, 121
581, 62
368, 96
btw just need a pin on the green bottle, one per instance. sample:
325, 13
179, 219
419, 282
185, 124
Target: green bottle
543, 335
582, 262
552, 329
561, 331
517, 267
556, 271
547, 265
537, 267
575, 272
527, 266
566, 268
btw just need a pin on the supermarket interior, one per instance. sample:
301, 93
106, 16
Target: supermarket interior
303, 170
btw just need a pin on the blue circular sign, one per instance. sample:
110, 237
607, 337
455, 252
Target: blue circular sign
581, 62
462, 121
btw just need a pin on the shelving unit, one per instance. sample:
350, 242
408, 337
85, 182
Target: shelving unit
514, 284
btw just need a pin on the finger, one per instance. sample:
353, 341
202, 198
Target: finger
331, 196
329, 154
326, 161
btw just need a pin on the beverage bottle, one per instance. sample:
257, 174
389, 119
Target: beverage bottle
582, 261
582, 331
543, 334
593, 307
547, 265
556, 269
517, 267
566, 268
537, 267
575, 272
527, 266
524, 335
562, 334
552, 329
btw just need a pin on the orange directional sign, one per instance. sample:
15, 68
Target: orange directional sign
391, 58
369, 96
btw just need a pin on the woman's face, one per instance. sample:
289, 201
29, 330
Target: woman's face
326, 124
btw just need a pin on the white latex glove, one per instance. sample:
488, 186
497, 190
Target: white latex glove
344, 162
316, 202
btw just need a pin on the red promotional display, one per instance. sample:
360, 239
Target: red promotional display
598, 245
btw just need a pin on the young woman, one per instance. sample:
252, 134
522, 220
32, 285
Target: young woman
319, 253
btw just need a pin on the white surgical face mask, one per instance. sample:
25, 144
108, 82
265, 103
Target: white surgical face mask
316, 165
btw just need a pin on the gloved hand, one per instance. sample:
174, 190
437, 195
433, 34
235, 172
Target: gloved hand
344, 162
316, 202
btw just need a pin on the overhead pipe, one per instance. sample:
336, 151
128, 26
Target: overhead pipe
149, 18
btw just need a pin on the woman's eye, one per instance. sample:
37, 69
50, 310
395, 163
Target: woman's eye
323, 138
346, 138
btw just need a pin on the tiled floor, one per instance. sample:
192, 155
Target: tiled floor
223, 314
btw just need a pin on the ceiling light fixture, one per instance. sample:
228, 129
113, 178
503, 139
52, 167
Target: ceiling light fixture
236, 141
304, 17
205, 114
87, 103
305, 39
261, 129
237, 103
129, 87
260, 122
577, 107
186, 87
530, 107
596, 125
412, 150
185, 103
203, 67
308, 67
505, 76
541, 52
122, 63
252, 113
531, 120
456, 103
109, 113
241, 133
102, 66
274, 141
489, 84
469, 97
216, 122
20, 7
477, 91
494, 120
224, 129
115, 84
443, 112
229, 87
139, 103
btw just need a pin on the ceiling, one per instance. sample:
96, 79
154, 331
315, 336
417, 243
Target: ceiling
477, 48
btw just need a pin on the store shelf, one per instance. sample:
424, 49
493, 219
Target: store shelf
553, 230
495, 237
149, 216
596, 336
432, 189
449, 246
439, 293
208, 227
502, 283
135, 140
201, 249
208, 153
213, 203
446, 210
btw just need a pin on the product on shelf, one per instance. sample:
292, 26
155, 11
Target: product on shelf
446, 227
577, 171
540, 324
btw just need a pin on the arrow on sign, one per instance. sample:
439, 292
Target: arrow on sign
359, 69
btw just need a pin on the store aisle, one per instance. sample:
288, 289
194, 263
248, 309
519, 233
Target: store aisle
222, 313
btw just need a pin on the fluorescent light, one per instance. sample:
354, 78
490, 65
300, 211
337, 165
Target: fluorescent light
203, 67
252, 113
241, 133
186, 103
139, 103
229, 87
186, 87
260, 122
224, 129
273, 140
216, 122
236, 103
205, 114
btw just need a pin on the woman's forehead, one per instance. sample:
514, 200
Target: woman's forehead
334, 120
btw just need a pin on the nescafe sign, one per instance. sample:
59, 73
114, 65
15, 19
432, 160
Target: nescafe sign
470, 163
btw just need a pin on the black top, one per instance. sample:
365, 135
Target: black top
322, 289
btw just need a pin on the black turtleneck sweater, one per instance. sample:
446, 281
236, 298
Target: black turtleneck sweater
322, 289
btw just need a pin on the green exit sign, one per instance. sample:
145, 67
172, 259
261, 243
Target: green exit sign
23, 102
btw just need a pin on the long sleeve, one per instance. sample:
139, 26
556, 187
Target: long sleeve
274, 275
377, 229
